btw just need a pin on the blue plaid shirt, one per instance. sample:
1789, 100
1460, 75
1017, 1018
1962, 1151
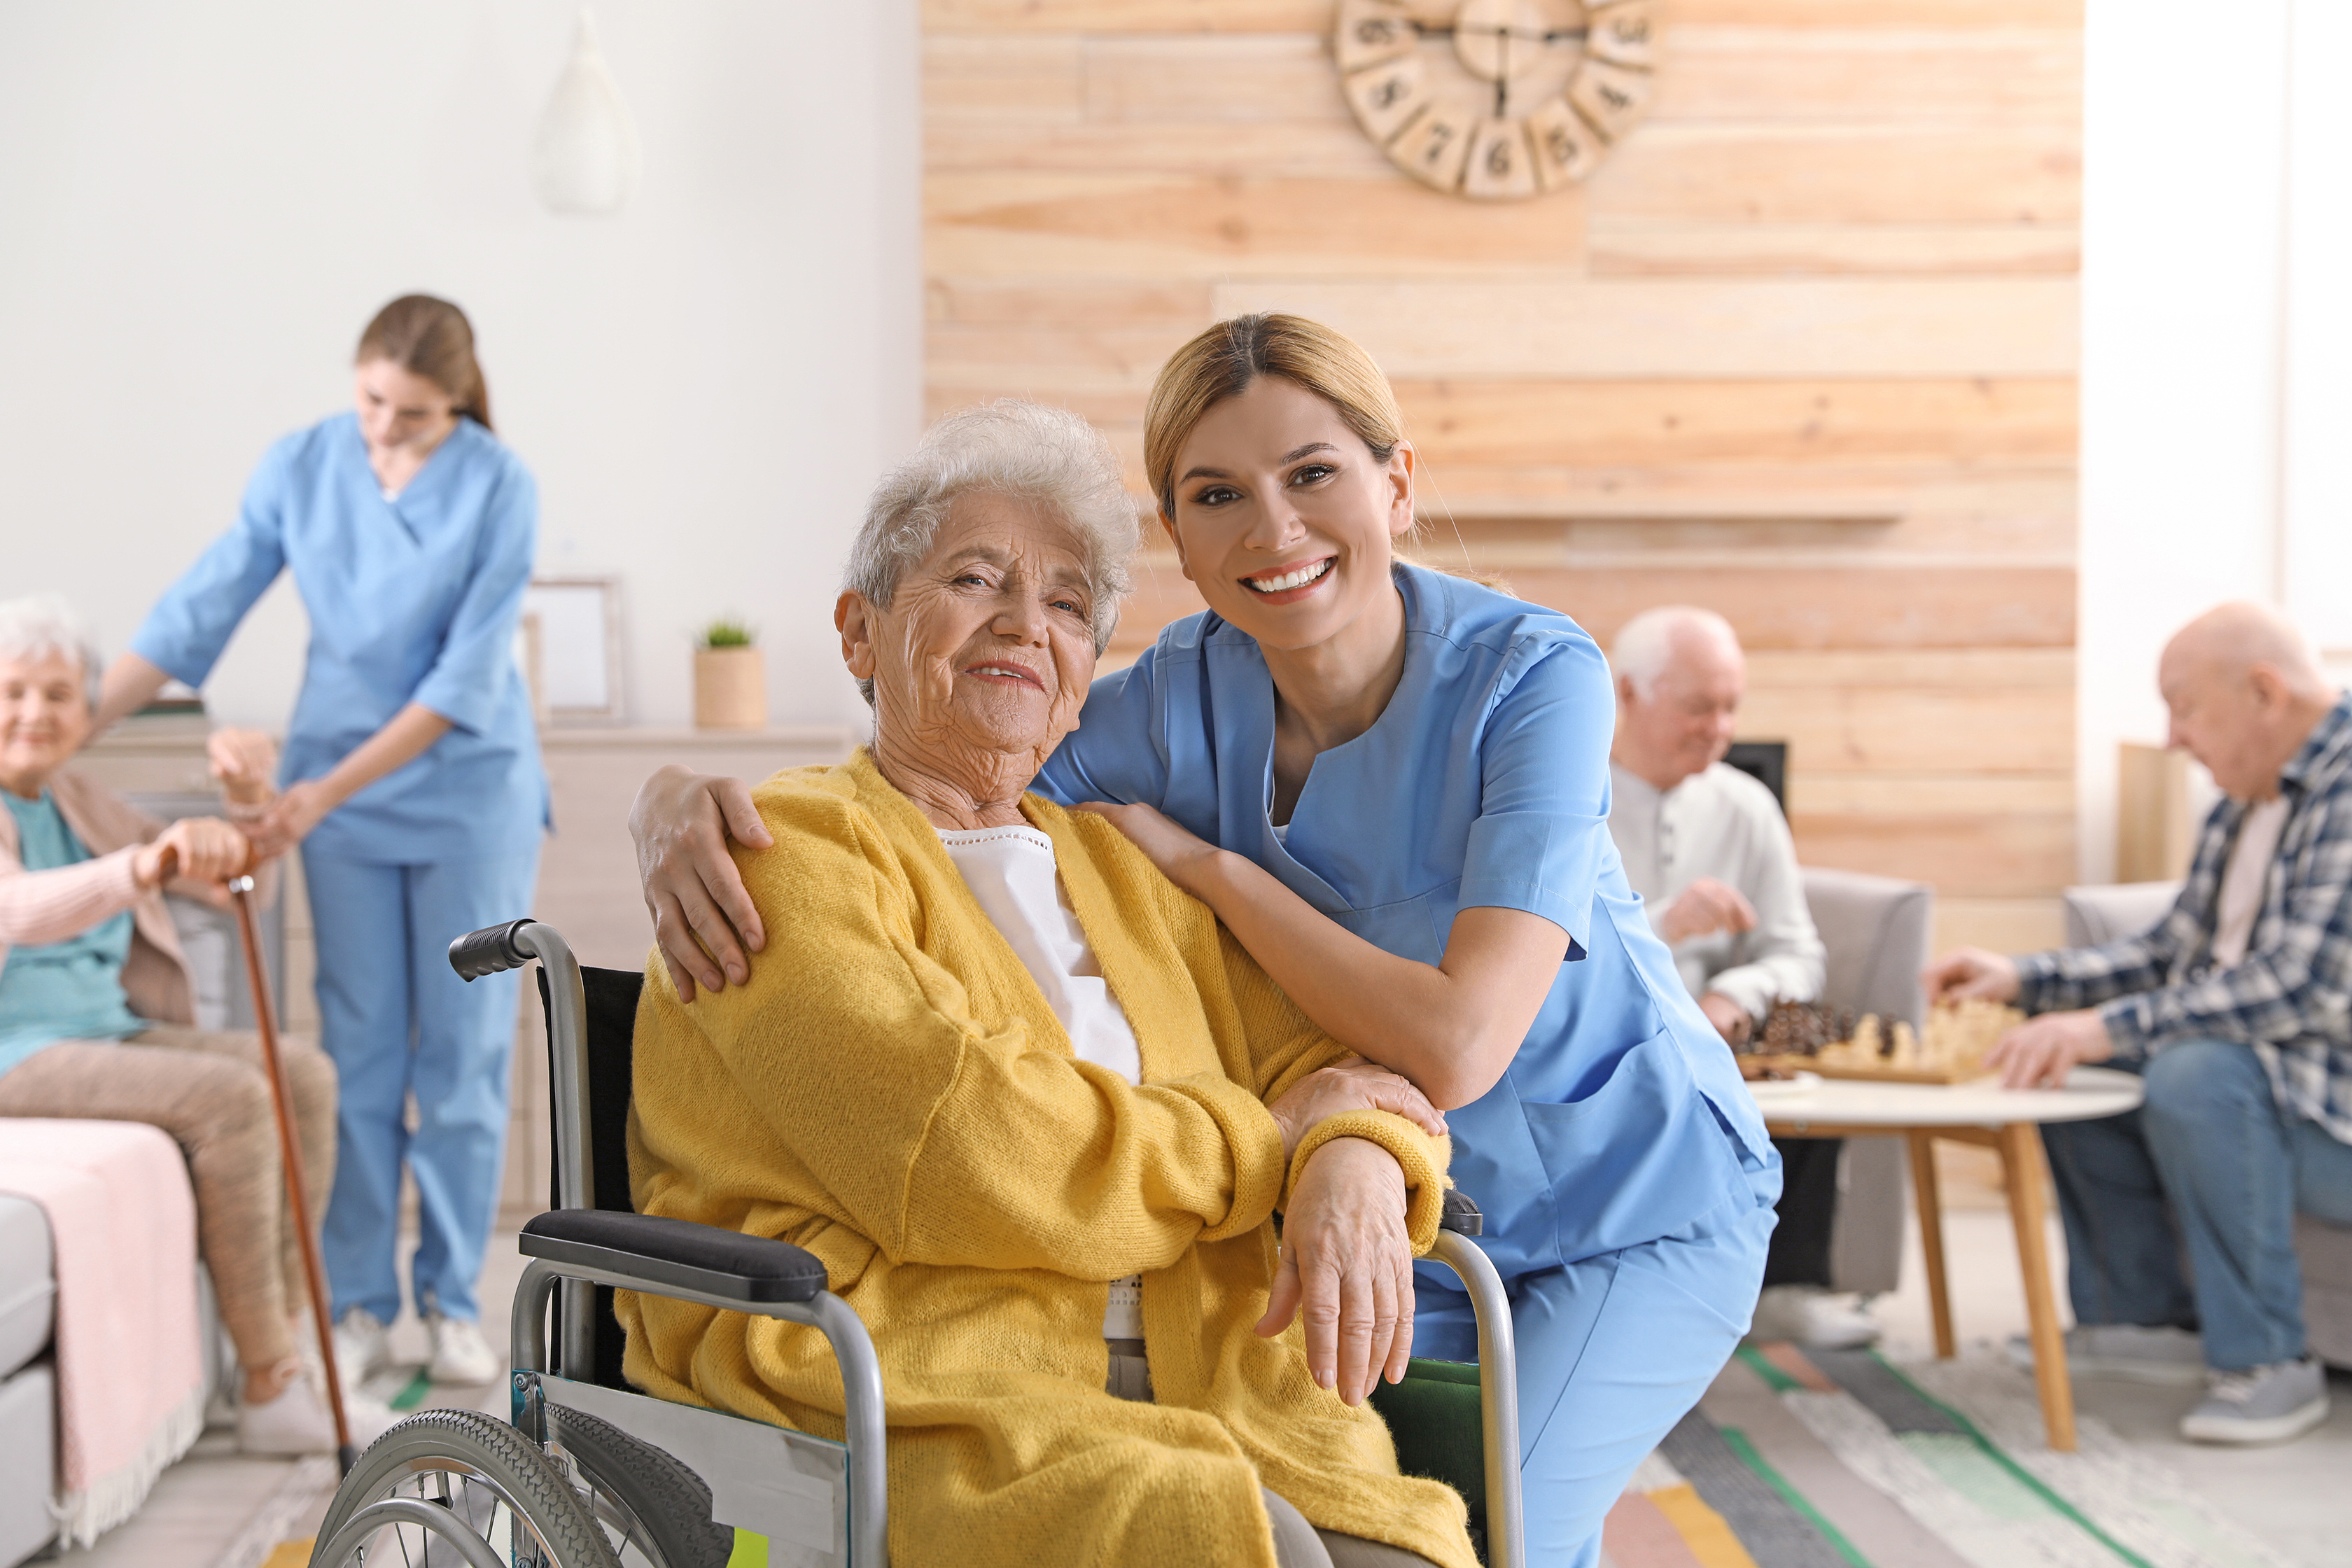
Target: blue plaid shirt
2291, 998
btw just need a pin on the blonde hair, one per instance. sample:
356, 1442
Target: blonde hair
1221, 362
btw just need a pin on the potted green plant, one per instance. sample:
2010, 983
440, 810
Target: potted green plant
730, 681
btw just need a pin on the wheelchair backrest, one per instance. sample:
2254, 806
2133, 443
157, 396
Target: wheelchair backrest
610, 995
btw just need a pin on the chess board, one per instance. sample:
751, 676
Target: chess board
1950, 1050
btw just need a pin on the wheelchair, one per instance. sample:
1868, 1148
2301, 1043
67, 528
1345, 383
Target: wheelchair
589, 1473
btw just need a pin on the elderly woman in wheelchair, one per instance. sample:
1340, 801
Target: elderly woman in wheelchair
1019, 1102
1032, 1109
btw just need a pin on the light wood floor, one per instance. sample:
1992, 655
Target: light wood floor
2290, 1497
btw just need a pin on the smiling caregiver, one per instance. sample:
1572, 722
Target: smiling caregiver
1392, 786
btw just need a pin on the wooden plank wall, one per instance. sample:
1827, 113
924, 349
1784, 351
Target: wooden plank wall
1804, 351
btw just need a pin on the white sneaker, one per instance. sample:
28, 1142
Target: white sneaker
298, 1422
2261, 1404
460, 1354
2170, 1358
363, 1348
1812, 1317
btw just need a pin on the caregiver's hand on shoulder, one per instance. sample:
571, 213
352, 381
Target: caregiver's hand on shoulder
1346, 1269
1183, 856
198, 850
1352, 1084
703, 917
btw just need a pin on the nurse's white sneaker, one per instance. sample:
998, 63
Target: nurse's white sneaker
1811, 1316
460, 1354
2261, 1404
362, 1347
298, 1421
2170, 1358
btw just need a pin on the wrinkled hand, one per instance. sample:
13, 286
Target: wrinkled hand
1705, 906
1346, 1269
289, 821
1182, 856
2041, 1052
703, 916
1970, 972
243, 761
1353, 1084
1730, 1018
199, 849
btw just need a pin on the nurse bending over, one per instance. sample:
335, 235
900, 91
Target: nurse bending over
412, 781
1392, 786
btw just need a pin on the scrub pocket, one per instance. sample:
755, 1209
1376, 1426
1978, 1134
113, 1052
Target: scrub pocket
1643, 1155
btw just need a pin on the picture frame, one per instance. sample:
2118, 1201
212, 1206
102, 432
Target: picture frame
574, 636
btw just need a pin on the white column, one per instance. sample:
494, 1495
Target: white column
2183, 263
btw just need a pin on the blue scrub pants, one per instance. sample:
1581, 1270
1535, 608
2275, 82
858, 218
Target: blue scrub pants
1612, 1352
398, 1022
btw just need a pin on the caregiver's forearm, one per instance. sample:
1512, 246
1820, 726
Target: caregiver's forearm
1451, 1028
131, 684
405, 737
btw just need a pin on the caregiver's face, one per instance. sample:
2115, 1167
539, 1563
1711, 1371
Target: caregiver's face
986, 649
44, 717
397, 408
1284, 516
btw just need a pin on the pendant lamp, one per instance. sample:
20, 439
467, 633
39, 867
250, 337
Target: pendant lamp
585, 159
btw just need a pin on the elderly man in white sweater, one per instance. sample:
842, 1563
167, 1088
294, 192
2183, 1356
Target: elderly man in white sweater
1706, 847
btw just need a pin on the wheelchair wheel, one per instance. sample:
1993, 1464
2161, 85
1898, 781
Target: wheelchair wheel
451, 1488
656, 1512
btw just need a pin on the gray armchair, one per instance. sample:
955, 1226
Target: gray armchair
2096, 915
1876, 930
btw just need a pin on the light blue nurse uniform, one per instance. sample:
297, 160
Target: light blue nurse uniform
411, 599
1624, 1172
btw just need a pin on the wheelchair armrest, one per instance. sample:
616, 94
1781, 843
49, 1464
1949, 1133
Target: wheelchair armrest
676, 1253
1459, 1214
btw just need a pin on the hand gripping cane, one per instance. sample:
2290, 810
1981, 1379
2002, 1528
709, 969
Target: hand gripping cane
240, 891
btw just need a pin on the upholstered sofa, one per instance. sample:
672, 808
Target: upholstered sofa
2096, 915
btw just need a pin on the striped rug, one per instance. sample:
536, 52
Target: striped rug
1844, 1459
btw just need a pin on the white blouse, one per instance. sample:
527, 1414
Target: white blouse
1011, 872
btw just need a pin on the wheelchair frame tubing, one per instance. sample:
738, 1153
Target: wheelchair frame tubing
575, 1164
852, 1348
1498, 1395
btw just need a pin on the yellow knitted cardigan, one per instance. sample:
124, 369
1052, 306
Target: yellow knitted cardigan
891, 1093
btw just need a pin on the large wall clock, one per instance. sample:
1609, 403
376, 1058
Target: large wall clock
1496, 99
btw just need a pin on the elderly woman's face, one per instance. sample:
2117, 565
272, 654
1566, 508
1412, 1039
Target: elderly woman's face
44, 717
987, 646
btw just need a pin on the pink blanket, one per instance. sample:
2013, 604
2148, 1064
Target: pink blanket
131, 1395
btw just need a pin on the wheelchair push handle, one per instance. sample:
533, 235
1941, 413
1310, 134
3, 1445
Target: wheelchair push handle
490, 951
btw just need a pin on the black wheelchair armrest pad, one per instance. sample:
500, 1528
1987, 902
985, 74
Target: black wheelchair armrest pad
1459, 1213
675, 1253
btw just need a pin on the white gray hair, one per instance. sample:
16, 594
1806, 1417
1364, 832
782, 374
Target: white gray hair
1008, 448
43, 626
1644, 648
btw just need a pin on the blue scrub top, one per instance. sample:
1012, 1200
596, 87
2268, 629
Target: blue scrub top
410, 600
1484, 782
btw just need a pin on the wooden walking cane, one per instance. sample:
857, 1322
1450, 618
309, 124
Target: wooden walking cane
240, 891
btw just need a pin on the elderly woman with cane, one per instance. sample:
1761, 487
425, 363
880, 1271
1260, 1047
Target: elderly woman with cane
96, 1008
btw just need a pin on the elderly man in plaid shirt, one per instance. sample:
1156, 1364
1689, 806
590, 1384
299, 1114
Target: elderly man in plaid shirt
2237, 1010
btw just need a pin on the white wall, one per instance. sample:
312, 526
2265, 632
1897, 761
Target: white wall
200, 206
2217, 348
